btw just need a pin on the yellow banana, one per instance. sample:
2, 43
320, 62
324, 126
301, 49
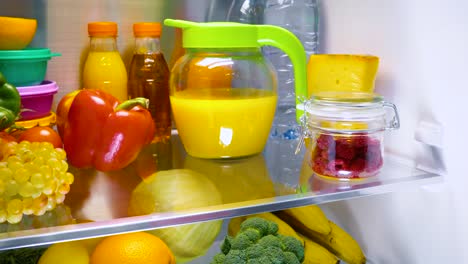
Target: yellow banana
316, 254
234, 225
283, 228
309, 217
340, 243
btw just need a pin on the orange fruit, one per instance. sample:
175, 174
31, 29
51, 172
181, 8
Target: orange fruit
16, 33
132, 248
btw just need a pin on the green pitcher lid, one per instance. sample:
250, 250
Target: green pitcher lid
216, 34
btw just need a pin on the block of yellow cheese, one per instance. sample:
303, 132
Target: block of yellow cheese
341, 73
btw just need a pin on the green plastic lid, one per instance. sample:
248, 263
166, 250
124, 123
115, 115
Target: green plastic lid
29, 53
237, 35
216, 34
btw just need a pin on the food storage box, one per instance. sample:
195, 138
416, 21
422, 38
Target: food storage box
36, 101
25, 67
346, 132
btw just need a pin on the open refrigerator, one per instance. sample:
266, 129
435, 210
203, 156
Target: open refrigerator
414, 213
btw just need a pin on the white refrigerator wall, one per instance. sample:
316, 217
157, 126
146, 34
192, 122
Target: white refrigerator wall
423, 70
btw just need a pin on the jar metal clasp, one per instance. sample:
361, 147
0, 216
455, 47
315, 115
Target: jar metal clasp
303, 103
303, 136
395, 120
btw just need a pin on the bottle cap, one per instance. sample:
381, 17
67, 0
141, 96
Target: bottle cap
147, 29
102, 29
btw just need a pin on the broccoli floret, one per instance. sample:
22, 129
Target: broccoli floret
226, 245
236, 257
218, 259
270, 241
253, 234
257, 223
255, 251
270, 255
275, 254
293, 245
273, 228
290, 258
241, 241
260, 260
258, 242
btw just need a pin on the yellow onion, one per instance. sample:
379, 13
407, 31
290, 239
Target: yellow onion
178, 190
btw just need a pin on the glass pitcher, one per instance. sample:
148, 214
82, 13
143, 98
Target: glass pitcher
223, 91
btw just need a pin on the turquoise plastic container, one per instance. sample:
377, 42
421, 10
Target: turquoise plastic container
25, 67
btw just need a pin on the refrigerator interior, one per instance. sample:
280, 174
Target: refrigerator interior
423, 62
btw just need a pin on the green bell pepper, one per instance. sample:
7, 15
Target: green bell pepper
10, 103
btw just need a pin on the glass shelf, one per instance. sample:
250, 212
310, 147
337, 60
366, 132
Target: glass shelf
97, 204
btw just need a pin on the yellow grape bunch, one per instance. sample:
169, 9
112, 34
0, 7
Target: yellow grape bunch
34, 178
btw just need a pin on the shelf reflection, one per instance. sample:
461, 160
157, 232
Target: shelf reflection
237, 180
59, 216
97, 195
100, 196
311, 182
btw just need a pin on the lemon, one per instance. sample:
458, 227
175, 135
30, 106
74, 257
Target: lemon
16, 33
74, 252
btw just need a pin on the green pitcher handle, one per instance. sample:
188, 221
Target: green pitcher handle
286, 41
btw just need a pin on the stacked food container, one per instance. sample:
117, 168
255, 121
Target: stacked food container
25, 67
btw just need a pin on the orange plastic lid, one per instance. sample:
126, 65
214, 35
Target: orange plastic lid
102, 29
48, 120
147, 29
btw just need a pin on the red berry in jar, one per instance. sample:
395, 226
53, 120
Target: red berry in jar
346, 156
347, 131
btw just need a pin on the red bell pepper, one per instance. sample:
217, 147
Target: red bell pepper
98, 131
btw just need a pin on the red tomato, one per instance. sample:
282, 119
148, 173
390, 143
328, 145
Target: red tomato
41, 134
6, 137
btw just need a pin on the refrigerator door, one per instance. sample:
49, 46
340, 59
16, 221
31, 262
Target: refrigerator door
424, 60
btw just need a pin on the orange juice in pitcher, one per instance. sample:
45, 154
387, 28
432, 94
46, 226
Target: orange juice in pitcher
223, 92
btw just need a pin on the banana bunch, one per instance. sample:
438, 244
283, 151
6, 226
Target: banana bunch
324, 241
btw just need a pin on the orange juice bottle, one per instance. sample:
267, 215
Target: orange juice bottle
104, 68
149, 77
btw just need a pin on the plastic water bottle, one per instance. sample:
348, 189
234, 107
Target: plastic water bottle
301, 17
241, 11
